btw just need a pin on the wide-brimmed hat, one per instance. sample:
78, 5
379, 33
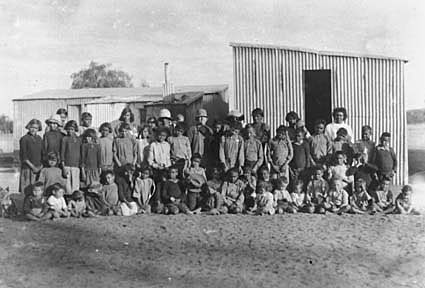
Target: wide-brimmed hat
201, 113
165, 113
235, 113
54, 119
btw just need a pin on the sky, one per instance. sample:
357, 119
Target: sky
43, 42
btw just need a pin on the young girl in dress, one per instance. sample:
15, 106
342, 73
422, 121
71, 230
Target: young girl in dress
70, 157
105, 143
30, 152
144, 187
90, 158
143, 140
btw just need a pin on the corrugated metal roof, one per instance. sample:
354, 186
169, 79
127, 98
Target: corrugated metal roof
179, 98
327, 53
126, 99
117, 92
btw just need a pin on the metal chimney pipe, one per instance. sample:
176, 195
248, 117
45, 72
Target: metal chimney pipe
166, 78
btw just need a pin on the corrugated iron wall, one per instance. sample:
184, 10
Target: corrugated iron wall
25, 110
371, 89
105, 112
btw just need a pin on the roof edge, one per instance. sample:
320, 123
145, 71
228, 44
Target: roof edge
307, 50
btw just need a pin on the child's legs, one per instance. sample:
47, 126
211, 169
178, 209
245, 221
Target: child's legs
172, 209
92, 176
183, 207
26, 179
125, 210
193, 200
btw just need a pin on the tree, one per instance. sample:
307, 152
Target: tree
100, 76
6, 124
144, 83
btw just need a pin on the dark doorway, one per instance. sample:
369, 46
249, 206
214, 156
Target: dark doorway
317, 91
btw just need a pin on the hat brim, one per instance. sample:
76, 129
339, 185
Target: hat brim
53, 121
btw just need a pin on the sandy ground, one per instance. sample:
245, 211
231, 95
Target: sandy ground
215, 251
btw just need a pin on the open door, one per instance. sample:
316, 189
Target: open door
317, 97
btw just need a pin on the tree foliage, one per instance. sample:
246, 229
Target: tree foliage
6, 124
100, 76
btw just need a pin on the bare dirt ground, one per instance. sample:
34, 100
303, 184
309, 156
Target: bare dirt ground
215, 251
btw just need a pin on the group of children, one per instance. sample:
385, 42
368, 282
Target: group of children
166, 167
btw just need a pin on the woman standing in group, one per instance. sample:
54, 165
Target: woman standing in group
339, 115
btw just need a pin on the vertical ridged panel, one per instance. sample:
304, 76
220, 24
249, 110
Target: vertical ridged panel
371, 89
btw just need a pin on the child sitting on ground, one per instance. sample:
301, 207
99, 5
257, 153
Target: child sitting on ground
35, 208
232, 192
173, 194
264, 200
403, 202
110, 194
282, 198
339, 171
77, 205
213, 200
125, 183
360, 201
94, 200
298, 196
56, 202
317, 191
144, 187
196, 180
250, 182
337, 200
383, 198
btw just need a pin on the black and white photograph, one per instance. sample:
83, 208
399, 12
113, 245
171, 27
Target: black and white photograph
194, 143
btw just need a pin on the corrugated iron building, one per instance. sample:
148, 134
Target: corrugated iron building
105, 104
312, 83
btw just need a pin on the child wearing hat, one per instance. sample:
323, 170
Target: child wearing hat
200, 134
52, 139
30, 152
165, 121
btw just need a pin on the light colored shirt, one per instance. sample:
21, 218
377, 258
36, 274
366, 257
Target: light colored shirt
231, 151
338, 198
320, 147
332, 128
281, 151
57, 204
180, 147
159, 154
106, 155
281, 195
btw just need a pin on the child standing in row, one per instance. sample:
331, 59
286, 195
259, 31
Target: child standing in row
30, 152
124, 147
320, 144
70, 157
280, 154
144, 188
90, 158
51, 174
35, 206
52, 139
232, 148
180, 149
105, 144
253, 150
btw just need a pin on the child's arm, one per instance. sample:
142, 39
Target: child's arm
400, 207
260, 158
394, 157
222, 155
241, 153
115, 153
290, 152
135, 150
